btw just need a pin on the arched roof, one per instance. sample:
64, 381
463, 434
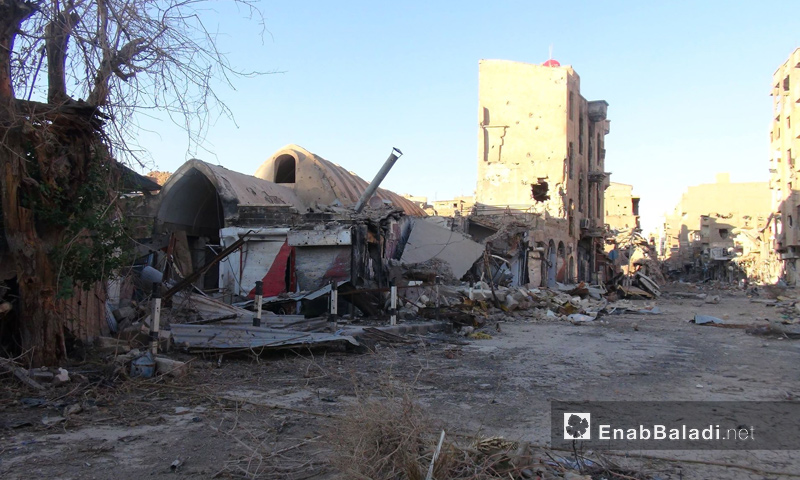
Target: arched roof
346, 186
233, 189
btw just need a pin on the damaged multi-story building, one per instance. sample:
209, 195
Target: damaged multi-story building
701, 233
784, 228
541, 166
621, 207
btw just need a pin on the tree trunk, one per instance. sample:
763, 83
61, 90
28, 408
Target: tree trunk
40, 324
41, 333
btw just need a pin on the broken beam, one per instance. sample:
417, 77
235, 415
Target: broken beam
200, 271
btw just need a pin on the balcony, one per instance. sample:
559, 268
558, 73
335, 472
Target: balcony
598, 110
598, 177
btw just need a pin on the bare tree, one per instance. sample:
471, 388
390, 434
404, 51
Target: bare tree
73, 74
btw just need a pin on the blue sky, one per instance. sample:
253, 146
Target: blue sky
687, 85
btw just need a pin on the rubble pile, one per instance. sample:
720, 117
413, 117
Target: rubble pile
472, 306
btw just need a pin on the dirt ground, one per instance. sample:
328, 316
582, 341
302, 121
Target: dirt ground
275, 416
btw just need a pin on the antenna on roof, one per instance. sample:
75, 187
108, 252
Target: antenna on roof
550, 57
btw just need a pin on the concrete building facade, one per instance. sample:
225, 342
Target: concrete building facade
784, 229
622, 207
702, 228
541, 153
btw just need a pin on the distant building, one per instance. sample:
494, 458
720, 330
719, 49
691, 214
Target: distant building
453, 207
784, 147
622, 207
541, 157
702, 228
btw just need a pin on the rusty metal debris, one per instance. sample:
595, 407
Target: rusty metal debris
196, 338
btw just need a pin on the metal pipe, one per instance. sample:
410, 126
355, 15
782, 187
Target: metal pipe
387, 165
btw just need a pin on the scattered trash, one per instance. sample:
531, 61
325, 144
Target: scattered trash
143, 366
48, 421
705, 319
579, 318
650, 311
176, 464
480, 336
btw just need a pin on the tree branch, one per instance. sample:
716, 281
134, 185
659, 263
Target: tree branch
12, 14
58, 32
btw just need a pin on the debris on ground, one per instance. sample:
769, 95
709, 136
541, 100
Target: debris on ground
706, 319
205, 338
393, 437
36, 378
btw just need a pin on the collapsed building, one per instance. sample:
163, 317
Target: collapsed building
710, 226
300, 224
622, 207
541, 173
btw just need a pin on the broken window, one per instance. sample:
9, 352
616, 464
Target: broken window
539, 191
786, 84
723, 232
580, 135
571, 218
285, 169
580, 195
570, 157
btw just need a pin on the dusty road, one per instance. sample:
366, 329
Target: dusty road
271, 418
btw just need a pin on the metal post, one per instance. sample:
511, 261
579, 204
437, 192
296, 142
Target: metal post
393, 304
334, 307
258, 298
437, 298
156, 317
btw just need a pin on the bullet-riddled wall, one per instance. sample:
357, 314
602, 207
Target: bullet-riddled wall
523, 133
541, 150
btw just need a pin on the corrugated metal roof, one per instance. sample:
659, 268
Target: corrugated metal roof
237, 337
